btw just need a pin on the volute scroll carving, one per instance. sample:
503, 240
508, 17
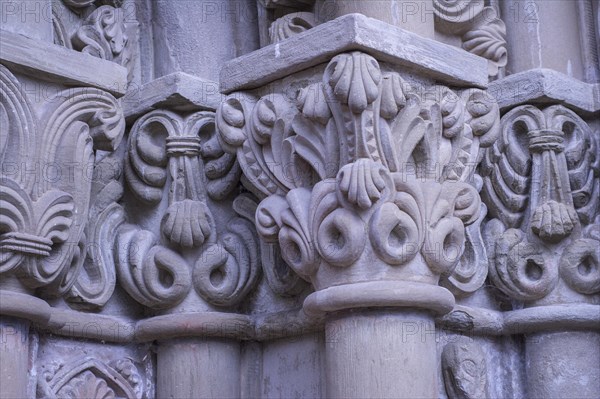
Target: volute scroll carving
178, 160
347, 172
541, 181
291, 24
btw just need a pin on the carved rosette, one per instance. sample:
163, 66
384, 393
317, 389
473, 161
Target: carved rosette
364, 179
541, 182
44, 193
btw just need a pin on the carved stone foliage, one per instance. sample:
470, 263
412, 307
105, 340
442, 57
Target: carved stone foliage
103, 34
481, 31
175, 167
90, 378
541, 182
291, 24
465, 370
96, 280
45, 192
364, 175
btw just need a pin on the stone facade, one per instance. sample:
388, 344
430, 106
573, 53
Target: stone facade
299, 199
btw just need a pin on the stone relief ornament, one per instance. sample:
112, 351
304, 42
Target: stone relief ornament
96, 281
280, 278
43, 213
103, 34
90, 378
228, 270
464, 370
363, 167
178, 159
541, 181
291, 24
481, 30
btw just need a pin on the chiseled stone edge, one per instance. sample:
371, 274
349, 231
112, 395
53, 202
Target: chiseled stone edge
55, 63
545, 86
178, 91
447, 64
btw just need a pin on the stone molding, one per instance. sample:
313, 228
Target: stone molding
546, 87
470, 321
178, 92
59, 64
315, 46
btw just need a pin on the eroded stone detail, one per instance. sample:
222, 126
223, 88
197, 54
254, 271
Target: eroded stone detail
90, 378
291, 24
464, 367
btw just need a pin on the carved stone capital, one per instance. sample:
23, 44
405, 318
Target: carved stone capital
365, 177
541, 183
178, 174
43, 212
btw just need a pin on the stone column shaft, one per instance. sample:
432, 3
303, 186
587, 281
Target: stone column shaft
546, 46
381, 354
415, 16
14, 358
198, 368
563, 365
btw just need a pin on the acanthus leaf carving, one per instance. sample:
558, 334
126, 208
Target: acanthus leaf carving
79, 4
42, 220
104, 35
385, 141
280, 277
481, 30
167, 153
96, 280
457, 11
580, 261
487, 39
472, 268
163, 143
